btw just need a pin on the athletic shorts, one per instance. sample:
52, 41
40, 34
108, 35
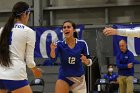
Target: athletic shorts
12, 85
77, 84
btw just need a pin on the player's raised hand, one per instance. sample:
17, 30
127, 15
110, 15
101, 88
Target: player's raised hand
53, 46
109, 31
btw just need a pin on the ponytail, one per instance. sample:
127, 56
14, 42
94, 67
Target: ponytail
4, 42
17, 11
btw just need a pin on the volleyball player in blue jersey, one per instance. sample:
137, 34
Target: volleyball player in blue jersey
17, 42
73, 53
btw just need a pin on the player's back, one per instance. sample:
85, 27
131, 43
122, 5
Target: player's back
18, 41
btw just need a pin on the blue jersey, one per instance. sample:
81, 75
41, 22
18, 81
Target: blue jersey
71, 64
111, 77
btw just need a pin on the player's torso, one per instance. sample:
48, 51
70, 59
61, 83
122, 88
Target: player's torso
17, 45
70, 58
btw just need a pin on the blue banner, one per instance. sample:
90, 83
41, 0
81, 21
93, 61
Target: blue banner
46, 35
133, 43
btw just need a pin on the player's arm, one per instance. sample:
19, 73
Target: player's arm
129, 32
53, 47
86, 60
85, 57
29, 57
122, 32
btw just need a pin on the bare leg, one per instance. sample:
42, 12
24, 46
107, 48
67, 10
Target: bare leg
25, 89
3, 91
61, 87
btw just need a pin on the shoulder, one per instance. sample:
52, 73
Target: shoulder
81, 41
105, 75
28, 28
129, 52
23, 27
29, 31
59, 42
118, 54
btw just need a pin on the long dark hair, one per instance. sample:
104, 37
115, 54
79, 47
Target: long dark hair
17, 11
75, 34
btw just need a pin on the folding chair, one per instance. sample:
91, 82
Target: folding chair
38, 82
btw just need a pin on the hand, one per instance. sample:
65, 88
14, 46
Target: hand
130, 65
36, 72
83, 58
53, 46
109, 31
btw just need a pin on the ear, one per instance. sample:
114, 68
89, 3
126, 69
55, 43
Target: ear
24, 14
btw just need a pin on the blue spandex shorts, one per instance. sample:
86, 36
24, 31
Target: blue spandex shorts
11, 85
61, 77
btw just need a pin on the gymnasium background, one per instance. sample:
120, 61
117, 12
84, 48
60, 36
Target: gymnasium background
93, 14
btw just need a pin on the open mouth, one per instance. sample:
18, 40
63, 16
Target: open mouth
67, 33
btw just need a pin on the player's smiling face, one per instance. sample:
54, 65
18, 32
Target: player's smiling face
68, 29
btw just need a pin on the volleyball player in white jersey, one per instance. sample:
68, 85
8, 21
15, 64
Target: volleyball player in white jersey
17, 43
73, 53
122, 32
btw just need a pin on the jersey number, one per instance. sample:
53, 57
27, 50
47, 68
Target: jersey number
71, 60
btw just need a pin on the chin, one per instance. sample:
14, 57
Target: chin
67, 36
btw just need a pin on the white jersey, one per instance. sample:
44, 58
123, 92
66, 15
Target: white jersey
21, 53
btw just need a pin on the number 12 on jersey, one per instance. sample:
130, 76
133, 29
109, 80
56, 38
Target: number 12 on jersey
71, 60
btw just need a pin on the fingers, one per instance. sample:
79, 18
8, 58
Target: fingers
109, 31
42, 71
82, 54
106, 31
83, 57
37, 72
130, 65
53, 45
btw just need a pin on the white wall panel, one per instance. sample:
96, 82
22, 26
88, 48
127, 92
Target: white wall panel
83, 16
8, 4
